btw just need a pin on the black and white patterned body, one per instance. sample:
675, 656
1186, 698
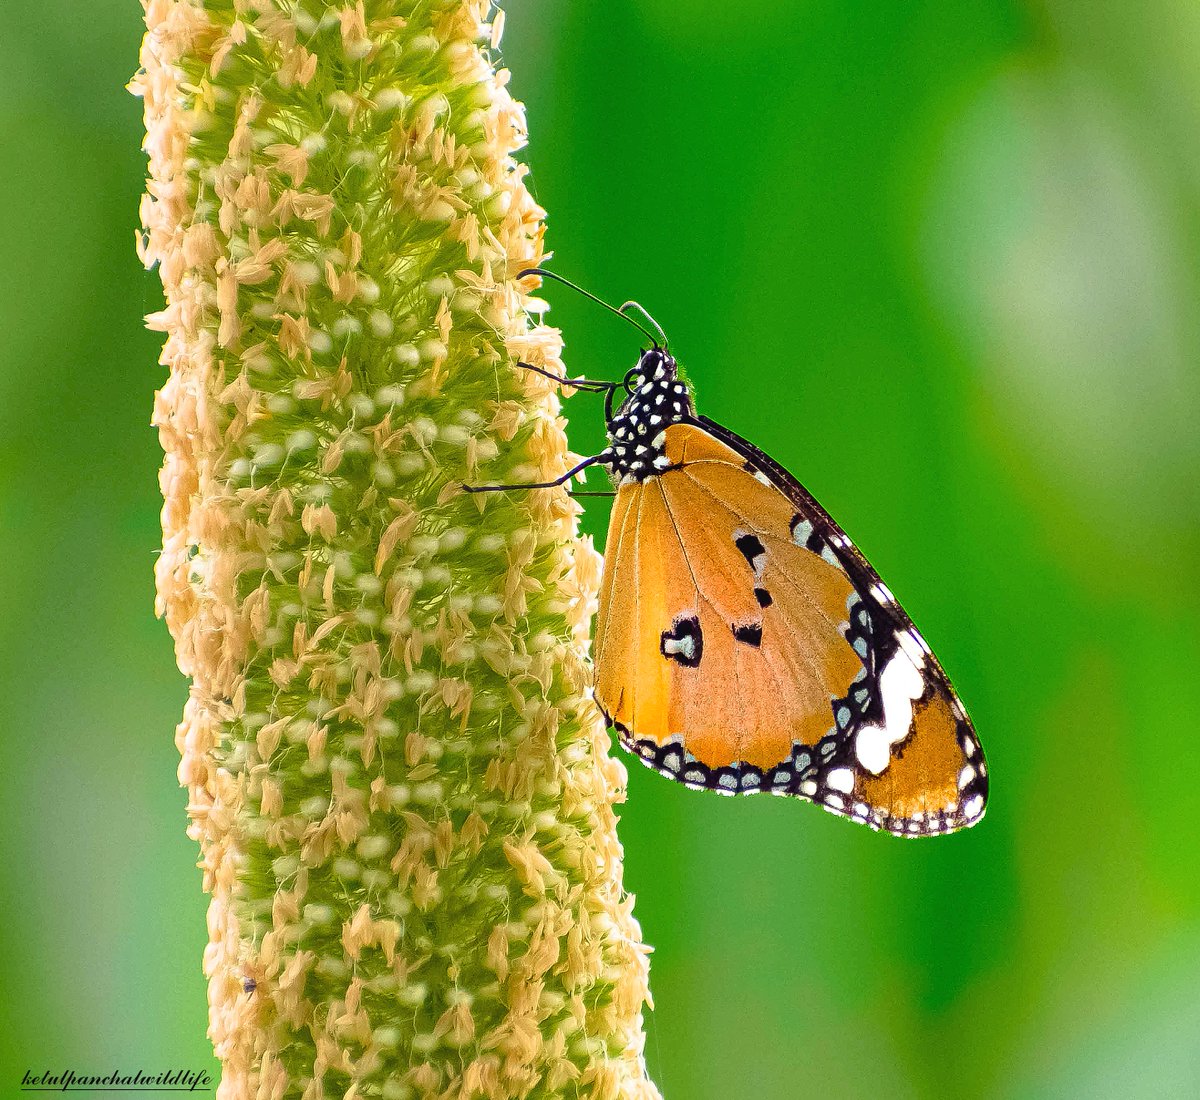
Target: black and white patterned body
636, 447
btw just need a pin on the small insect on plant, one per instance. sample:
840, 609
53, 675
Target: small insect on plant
743, 642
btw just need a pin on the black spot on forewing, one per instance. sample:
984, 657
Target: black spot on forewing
684, 642
752, 550
763, 597
748, 633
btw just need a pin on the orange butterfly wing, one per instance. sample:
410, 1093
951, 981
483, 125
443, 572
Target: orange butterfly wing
744, 644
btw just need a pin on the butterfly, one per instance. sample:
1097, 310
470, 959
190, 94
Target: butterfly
743, 643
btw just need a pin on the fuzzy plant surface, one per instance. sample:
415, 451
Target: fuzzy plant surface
402, 793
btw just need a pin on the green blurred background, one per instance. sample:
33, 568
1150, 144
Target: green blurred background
941, 259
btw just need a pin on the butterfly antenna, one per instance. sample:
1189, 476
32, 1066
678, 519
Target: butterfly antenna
666, 345
599, 301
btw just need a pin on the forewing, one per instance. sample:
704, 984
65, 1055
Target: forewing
745, 644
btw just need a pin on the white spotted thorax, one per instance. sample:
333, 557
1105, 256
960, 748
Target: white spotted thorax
637, 431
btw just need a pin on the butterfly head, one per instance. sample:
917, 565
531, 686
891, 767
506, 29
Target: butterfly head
658, 397
655, 365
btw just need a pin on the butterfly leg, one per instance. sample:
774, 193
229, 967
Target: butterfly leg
603, 456
590, 385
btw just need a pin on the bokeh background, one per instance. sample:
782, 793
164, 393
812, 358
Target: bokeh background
942, 260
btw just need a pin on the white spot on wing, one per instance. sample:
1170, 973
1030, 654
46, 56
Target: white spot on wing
913, 645
882, 593
873, 749
685, 645
900, 684
840, 779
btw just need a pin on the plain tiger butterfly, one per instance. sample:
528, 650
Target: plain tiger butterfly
743, 643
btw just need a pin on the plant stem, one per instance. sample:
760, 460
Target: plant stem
400, 788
